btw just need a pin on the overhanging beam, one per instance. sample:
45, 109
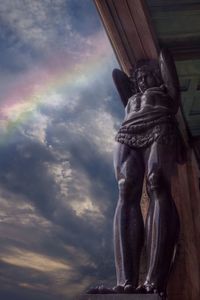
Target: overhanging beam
127, 24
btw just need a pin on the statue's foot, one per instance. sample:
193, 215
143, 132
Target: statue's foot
127, 288
118, 289
149, 288
146, 289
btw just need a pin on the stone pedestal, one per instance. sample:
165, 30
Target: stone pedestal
119, 297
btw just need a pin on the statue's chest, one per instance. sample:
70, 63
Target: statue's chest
154, 98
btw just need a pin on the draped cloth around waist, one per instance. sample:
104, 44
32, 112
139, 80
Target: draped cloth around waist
163, 130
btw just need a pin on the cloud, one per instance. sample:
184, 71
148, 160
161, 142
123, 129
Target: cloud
57, 186
39, 28
29, 259
35, 22
58, 179
46, 263
16, 211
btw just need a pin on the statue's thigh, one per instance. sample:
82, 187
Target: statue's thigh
128, 164
160, 159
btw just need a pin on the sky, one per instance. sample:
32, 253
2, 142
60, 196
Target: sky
59, 113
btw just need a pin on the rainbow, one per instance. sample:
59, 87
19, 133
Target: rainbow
32, 89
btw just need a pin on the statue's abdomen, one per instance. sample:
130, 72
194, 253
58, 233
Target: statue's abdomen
148, 105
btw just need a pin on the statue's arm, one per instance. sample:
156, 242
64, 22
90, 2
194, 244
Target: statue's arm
123, 85
170, 77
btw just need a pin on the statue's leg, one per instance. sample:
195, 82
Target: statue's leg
162, 224
128, 221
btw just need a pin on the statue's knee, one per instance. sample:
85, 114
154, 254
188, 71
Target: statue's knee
124, 183
125, 190
154, 181
129, 191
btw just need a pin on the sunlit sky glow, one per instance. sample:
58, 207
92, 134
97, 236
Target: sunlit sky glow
59, 113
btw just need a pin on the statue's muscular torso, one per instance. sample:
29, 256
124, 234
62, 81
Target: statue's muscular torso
149, 117
153, 99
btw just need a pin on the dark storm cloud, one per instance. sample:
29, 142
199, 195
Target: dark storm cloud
90, 158
15, 286
31, 30
58, 190
25, 164
22, 172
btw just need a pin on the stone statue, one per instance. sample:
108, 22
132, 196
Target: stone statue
148, 145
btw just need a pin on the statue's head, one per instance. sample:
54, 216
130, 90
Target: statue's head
147, 74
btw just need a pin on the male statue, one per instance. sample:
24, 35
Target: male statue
148, 145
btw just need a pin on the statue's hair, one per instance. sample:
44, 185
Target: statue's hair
147, 66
